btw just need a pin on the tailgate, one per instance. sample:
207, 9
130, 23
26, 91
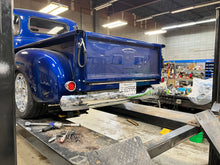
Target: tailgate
112, 59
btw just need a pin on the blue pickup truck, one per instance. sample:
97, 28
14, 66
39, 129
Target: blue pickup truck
58, 65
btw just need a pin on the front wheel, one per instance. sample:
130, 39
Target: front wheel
26, 107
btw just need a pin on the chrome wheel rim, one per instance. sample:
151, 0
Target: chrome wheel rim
21, 92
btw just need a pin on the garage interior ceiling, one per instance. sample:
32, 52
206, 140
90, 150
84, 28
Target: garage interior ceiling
162, 9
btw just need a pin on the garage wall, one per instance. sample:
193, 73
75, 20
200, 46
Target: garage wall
86, 23
196, 42
137, 33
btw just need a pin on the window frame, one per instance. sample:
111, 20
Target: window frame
29, 21
18, 24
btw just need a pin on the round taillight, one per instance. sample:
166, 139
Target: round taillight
70, 86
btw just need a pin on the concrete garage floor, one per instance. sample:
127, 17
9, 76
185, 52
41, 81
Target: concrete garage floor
115, 127
27, 155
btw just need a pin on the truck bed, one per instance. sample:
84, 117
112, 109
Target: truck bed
109, 59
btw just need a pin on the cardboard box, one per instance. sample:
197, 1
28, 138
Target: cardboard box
171, 81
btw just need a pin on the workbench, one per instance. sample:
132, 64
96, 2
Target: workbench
177, 102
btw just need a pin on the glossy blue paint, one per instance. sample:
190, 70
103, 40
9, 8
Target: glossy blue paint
115, 59
25, 36
46, 71
48, 64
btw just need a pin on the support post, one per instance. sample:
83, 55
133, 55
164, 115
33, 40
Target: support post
7, 111
216, 76
95, 21
95, 17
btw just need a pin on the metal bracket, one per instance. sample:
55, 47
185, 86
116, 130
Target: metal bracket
216, 108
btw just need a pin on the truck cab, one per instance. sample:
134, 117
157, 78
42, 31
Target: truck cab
31, 26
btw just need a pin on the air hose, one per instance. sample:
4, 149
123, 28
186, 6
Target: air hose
140, 95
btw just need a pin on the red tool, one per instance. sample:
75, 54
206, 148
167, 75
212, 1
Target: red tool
62, 139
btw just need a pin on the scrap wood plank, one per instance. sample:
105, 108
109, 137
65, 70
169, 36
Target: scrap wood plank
211, 126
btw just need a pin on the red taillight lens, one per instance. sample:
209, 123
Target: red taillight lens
70, 86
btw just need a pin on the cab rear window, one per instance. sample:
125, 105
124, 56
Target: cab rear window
46, 26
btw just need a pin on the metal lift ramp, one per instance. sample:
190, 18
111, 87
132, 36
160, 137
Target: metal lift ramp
97, 148
211, 126
92, 149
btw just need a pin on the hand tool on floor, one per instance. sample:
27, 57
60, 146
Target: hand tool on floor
69, 136
54, 137
62, 139
49, 127
75, 136
72, 133
55, 124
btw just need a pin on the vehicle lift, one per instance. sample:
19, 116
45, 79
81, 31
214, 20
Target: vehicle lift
109, 151
134, 151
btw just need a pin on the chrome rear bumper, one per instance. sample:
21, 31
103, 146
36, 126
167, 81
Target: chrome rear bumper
83, 102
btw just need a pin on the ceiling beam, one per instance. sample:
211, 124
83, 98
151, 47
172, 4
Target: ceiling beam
200, 5
157, 11
139, 6
192, 12
123, 6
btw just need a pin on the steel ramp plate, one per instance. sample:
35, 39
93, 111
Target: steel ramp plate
129, 152
211, 125
216, 108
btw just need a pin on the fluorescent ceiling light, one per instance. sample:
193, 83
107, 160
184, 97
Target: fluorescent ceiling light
143, 19
195, 7
206, 21
114, 24
188, 24
159, 14
105, 5
181, 10
49, 8
54, 8
55, 30
59, 10
179, 26
155, 32
207, 4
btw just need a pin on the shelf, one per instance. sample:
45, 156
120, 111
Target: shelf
209, 69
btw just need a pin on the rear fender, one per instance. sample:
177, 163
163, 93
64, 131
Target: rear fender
46, 72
